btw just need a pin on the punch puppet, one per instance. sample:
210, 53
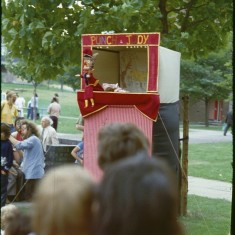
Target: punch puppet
89, 79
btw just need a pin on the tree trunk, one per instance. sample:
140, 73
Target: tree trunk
62, 85
184, 173
206, 112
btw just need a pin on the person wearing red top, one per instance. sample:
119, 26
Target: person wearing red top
17, 134
16, 176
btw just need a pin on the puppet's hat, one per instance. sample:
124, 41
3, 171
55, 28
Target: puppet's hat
87, 52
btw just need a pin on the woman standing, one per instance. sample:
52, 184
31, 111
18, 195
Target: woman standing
9, 111
33, 159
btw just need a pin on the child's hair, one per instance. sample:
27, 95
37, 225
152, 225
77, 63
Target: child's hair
18, 119
5, 129
119, 140
21, 225
8, 213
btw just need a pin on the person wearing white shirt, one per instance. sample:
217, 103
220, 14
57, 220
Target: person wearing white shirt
48, 134
34, 103
20, 104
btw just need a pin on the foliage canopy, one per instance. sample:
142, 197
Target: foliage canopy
45, 35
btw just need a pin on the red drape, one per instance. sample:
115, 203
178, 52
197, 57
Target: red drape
147, 103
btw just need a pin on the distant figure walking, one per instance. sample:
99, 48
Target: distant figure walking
229, 122
34, 106
54, 110
20, 104
29, 109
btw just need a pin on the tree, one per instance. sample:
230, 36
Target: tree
42, 35
46, 34
70, 77
207, 79
184, 25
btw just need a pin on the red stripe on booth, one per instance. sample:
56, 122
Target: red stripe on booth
153, 69
113, 113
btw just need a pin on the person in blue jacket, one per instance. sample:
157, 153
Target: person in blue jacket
33, 159
6, 160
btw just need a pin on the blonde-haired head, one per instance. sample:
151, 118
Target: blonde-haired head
62, 202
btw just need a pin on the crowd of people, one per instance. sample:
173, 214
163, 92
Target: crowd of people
24, 145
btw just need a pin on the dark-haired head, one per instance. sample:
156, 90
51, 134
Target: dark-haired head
6, 130
18, 119
30, 127
137, 196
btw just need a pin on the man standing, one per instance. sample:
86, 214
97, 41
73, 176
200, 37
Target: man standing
229, 122
34, 106
33, 159
20, 103
9, 110
48, 134
54, 110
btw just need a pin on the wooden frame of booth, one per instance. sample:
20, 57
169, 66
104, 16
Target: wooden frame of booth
138, 106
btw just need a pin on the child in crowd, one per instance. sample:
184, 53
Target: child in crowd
8, 213
127, 138
16, 176
6, 160
77, 153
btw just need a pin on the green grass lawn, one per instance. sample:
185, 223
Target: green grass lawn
207, 216
211, 161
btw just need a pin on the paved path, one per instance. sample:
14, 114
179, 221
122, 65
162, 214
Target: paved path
209, 188
207, 136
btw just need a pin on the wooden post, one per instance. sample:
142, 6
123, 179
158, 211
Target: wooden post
184, 170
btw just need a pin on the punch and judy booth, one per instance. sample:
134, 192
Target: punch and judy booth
129, 65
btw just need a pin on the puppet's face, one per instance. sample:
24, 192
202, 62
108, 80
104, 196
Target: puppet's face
88, 64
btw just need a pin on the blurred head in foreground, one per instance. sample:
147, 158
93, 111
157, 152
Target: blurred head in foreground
120, 140
62, 202
137, 196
